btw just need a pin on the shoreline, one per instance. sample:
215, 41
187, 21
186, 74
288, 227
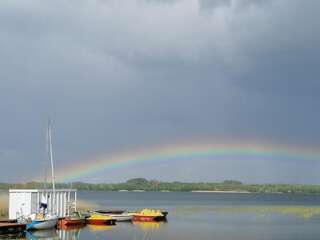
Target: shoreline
6, 191
219, 191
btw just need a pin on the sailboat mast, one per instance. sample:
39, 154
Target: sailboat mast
51, 157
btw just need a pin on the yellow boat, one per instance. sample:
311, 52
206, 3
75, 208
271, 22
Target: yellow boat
149, 215
99, 219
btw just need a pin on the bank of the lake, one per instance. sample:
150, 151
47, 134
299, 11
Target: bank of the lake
141, 184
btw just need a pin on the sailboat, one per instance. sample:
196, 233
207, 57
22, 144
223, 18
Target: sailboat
46, 220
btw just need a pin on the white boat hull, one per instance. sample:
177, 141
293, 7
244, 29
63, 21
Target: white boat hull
117, 215
121, 218
43, 224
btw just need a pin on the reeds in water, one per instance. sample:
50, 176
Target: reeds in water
305, 212
3, 205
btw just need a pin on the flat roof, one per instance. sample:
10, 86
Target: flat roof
41, 190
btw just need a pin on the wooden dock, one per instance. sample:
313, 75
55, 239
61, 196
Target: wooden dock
11, 227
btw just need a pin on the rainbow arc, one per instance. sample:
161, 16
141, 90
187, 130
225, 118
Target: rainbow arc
184, 152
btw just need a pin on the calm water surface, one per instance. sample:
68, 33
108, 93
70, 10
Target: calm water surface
203, 216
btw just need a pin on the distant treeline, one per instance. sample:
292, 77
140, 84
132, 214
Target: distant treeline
154, 185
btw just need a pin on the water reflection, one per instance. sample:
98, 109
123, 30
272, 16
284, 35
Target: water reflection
142, 230
96, 228
147, 230
74, 232
148, 226
13, 235
69, 233
50, 234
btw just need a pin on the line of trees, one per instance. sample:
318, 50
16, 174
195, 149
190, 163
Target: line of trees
155, 185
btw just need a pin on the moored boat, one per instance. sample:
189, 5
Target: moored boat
149, 215
100, 219
118, 215
75, 219
41, 222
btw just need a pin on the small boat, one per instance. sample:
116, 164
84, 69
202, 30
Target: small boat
118, 215
75, 219
41, 222
100, 219
149, 215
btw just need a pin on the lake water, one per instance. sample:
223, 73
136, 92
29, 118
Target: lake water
202, 216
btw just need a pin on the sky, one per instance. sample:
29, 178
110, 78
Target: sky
120, 75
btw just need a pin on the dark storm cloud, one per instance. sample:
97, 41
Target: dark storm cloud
117, 75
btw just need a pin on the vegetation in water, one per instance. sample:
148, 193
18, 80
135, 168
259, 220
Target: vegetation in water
3, 205
305, 212
155, 185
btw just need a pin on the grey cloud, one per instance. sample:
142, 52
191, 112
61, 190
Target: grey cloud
114, 75
212, 4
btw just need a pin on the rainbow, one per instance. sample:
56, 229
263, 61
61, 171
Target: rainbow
183, 152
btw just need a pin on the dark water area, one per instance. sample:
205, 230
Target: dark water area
220, 216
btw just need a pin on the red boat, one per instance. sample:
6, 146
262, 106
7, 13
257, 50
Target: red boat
138, 218
75, 219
